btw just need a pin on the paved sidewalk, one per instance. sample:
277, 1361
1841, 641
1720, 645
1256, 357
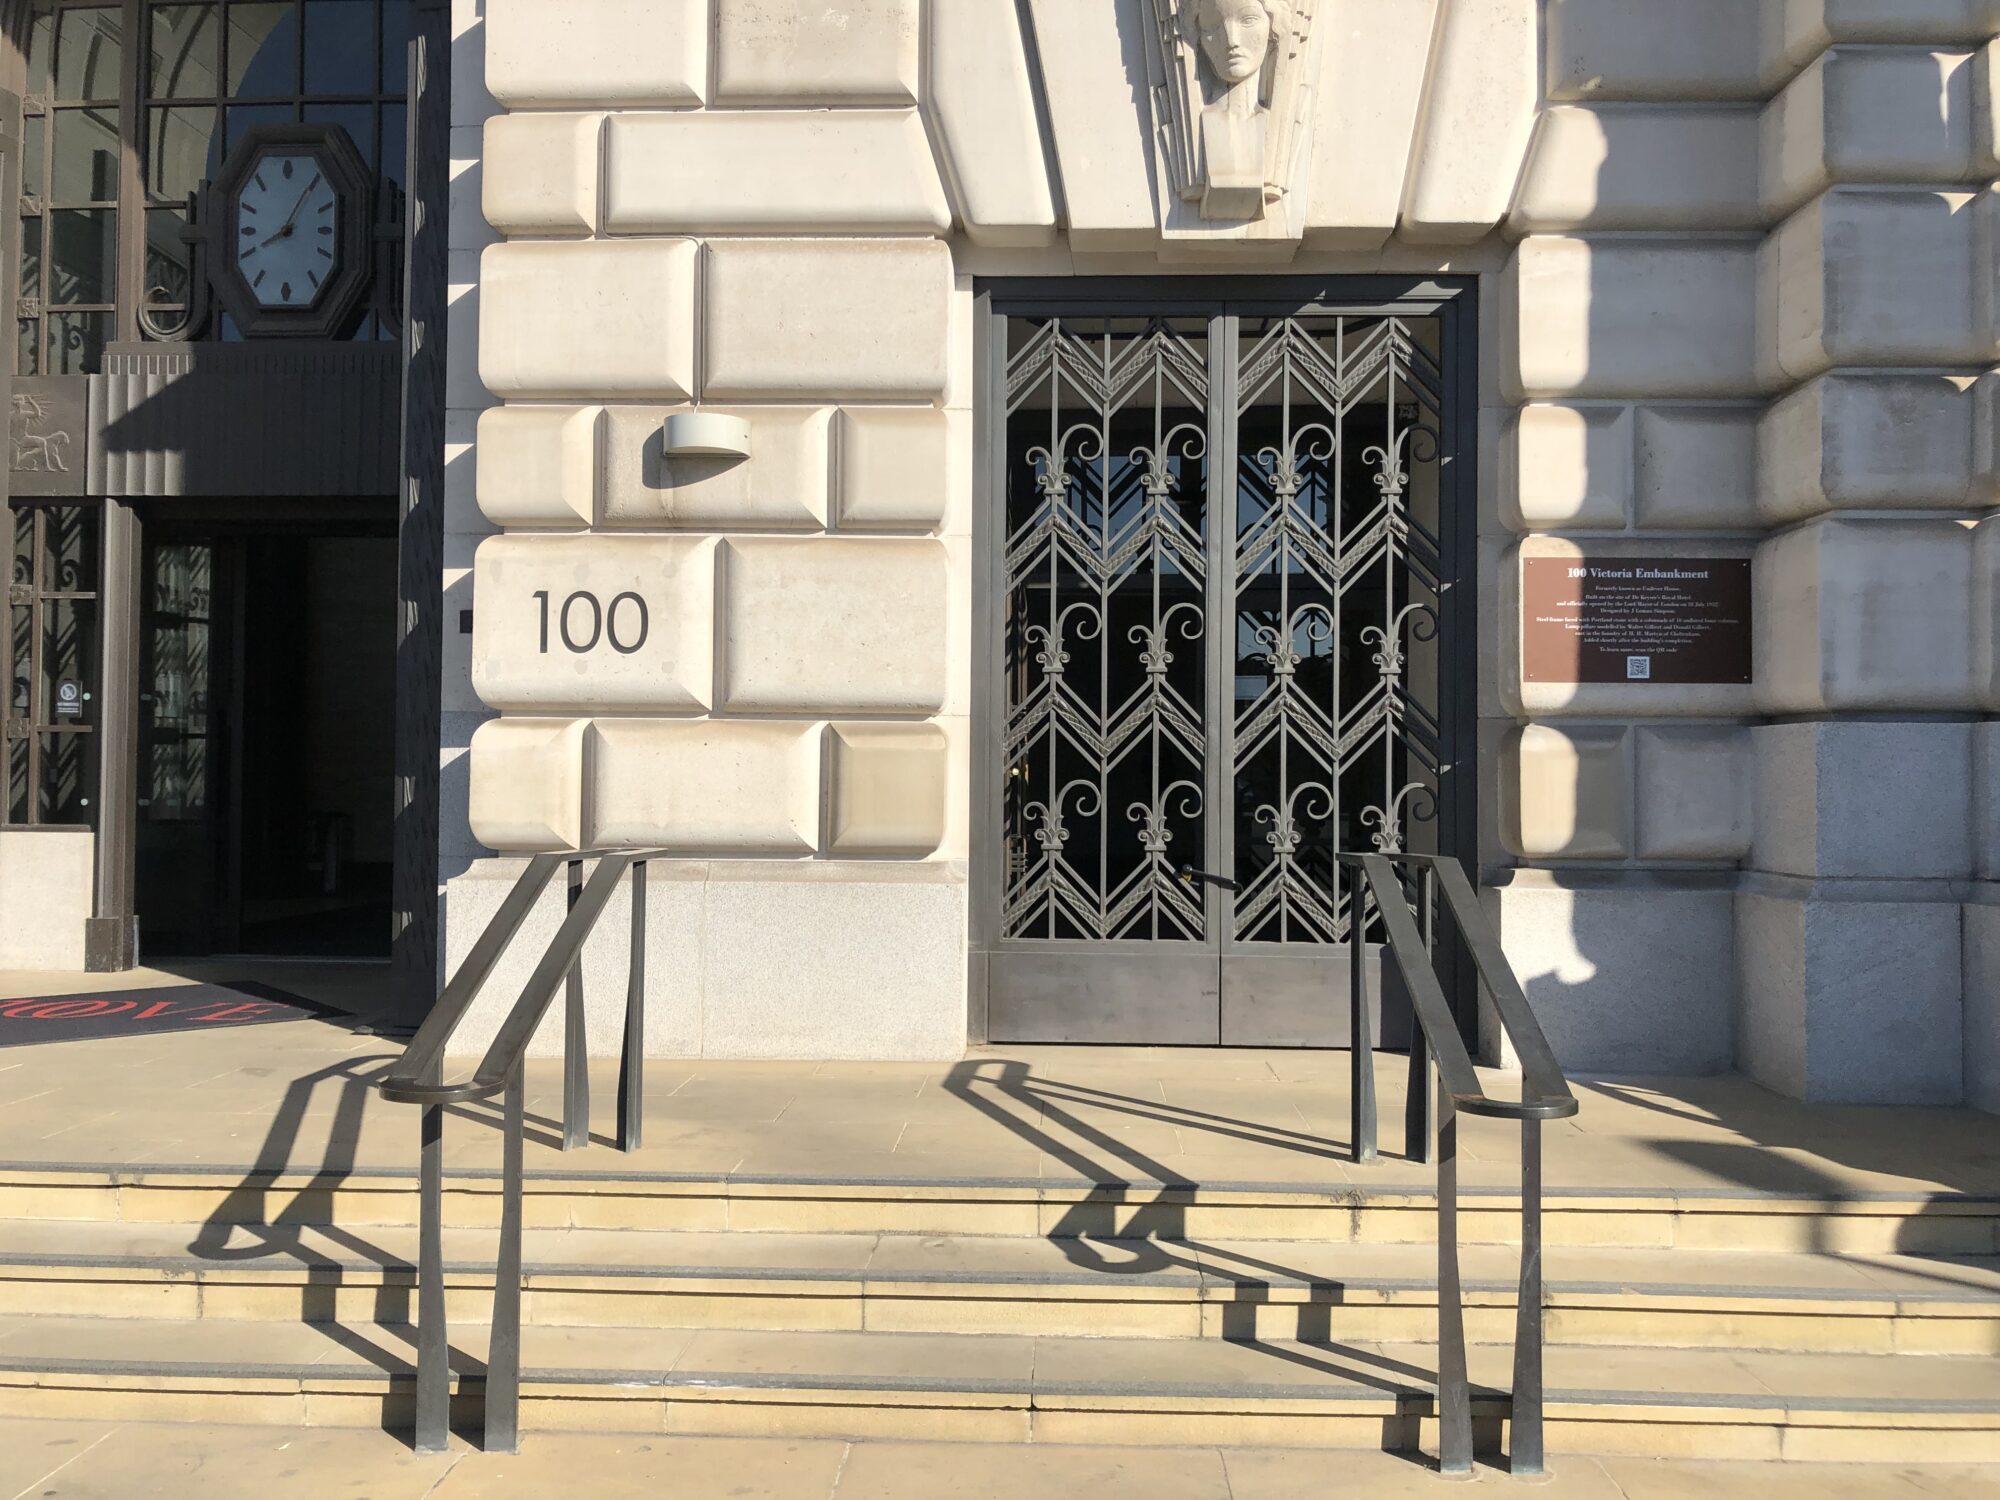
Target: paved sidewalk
299, 1095
81, 1461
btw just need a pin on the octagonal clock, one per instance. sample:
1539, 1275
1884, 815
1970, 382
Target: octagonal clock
289, 232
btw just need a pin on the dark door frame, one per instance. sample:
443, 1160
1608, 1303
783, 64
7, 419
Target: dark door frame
1453, 301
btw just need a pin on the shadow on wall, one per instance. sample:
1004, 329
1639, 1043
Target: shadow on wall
1628, 958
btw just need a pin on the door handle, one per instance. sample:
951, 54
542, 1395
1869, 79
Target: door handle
1189, 875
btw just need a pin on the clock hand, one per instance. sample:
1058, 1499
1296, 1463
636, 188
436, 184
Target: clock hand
286, 228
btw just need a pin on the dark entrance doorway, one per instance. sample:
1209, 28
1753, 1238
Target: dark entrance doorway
267, 689
1231, 629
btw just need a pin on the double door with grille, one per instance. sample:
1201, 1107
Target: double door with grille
1229, 632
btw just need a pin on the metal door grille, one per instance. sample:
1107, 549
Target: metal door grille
1107, 561
1220, 604
1336, 583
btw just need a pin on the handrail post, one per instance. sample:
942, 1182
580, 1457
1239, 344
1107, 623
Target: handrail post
1526, 1448
632, 1058
1361, 1044
576, 1040
433, 1434
1454, 1396
503, 1359
1419, 1144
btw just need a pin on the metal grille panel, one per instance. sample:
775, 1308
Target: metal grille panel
1221, 606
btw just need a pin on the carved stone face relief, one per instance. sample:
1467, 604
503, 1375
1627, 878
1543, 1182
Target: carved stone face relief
1228, 92
1236, 36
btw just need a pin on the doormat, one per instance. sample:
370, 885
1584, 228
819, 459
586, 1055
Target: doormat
35, 1019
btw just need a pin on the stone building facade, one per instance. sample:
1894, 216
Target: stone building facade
1734, 268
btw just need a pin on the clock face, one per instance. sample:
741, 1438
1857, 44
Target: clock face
287, 229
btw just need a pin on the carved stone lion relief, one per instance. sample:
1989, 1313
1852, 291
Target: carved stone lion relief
1229, 88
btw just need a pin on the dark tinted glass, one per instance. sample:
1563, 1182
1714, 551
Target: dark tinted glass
186, 52
83, 255
261, 49
76, 342
85, 165
340, 47
90, 53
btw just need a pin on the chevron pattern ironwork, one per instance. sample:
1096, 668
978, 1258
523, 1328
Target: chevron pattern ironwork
1300, 523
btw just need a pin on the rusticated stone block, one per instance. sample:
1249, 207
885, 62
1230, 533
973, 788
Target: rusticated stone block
586, 623
537, 465
886, 788
782, 485
1564, 792
527, 784
584, 320
705, 786
1865, 614
1868, 441
1870, 115
1851, 1002
1481, 96
1985, 623
826, 319
1864, 800
1696, 467
806, 51
1365, 119
590, 52
892, 467
752, 171
539, 174
1636, 317
1870, 277
1637, 167
981, 103
831, 625
1803, 29
1566, 466
1625, 979
45, 889
1641, 49
1982, 1005
1693, 791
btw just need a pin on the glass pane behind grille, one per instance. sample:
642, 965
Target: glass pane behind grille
1107, 542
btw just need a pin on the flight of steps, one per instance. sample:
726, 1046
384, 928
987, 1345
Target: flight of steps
1719, 1325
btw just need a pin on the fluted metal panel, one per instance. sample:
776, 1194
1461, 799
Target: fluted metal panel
246, 420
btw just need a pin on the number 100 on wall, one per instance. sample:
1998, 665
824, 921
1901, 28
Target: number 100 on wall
582, 622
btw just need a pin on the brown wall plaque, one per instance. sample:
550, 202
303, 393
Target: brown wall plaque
1635, 619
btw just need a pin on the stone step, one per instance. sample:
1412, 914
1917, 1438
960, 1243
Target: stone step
1080, 1288
1399, 1210
1000, 1388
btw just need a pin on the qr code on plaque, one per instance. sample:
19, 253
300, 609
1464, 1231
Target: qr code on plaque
1638, 668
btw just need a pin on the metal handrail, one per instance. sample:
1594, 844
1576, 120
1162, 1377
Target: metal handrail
1410, 934
417, 1078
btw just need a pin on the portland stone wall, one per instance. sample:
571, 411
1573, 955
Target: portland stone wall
756, 663
1736, 267
1750, 312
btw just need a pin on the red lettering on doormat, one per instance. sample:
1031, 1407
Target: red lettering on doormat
63, 1010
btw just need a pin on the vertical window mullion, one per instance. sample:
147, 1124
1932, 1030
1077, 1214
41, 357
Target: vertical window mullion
131, 173
32, 717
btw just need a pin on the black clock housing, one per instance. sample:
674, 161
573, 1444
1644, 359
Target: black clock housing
336, 307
